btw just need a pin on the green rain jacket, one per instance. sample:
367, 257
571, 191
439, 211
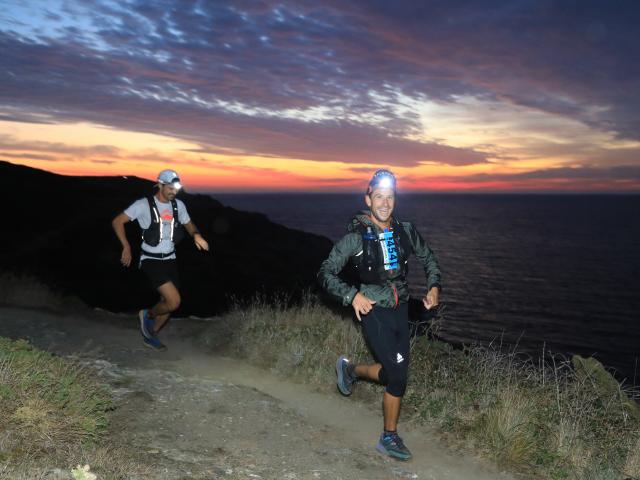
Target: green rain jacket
350, 246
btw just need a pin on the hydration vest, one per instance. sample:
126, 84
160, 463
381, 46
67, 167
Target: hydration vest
386, 252
154, 235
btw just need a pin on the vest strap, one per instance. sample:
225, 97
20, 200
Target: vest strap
157, 255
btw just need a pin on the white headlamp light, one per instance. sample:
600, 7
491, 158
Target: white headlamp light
382, 179
385, 182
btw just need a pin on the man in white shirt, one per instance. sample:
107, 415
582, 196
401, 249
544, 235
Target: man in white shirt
163, 219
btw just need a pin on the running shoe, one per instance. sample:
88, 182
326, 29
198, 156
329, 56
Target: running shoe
345, 379
154, 343
392, 445
146, 324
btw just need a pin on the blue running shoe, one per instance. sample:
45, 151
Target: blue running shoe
154, 343
392, 445
345, 379
146, 324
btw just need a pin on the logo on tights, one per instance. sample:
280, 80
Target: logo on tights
400, 358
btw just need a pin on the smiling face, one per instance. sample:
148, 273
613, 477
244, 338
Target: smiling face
381, 202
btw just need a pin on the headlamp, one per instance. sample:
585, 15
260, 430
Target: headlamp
169, 177
175, 183
382, 179
385, 182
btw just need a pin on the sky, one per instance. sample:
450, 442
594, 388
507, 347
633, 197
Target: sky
452, 96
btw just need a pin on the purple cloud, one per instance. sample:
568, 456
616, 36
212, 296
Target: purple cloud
251, 77
626, 173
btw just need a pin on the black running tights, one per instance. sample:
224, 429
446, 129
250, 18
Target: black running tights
386, 330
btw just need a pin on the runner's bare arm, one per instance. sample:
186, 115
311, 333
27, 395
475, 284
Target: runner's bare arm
198, 239
118, 226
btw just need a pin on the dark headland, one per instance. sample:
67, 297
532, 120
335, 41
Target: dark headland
57, 229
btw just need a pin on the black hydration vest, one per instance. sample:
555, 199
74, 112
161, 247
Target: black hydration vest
153, 235
371, 262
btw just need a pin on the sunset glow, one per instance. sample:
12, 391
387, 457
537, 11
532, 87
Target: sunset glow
284, 97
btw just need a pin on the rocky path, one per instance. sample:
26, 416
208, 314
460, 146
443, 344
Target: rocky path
193, 414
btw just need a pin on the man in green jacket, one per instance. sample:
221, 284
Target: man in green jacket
379, 246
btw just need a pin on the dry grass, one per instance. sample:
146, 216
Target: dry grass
107, 461
505, 428
631, 467
47, 399
542, 420
25, 291
53, 416
299, 339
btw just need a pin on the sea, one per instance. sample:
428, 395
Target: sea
542, 274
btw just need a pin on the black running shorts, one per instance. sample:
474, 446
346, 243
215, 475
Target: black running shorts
160, 272
386, 331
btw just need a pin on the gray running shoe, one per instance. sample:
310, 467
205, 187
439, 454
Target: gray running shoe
393, 446
345, 380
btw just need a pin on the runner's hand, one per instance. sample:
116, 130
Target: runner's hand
201, 243
125, 258
430, 300
361, 305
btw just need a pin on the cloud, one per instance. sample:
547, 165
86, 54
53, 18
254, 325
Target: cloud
213, 126
320, 81
620, 172
29, 156
623, 178
103, 162
572, 60
53, 150
21, 117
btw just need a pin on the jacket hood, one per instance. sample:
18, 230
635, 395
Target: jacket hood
363, 217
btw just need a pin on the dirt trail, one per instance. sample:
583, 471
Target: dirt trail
197, 415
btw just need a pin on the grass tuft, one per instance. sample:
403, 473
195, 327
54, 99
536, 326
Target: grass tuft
507, 429
47, 404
